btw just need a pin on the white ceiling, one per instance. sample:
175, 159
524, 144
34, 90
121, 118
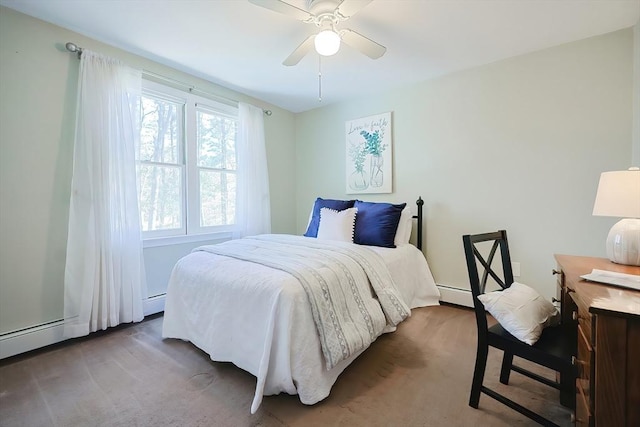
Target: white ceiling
241, 46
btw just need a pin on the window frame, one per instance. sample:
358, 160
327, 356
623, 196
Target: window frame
191, 230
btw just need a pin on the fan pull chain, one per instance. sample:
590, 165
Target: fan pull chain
319, 78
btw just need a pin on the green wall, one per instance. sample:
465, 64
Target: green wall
38, 79
517, 144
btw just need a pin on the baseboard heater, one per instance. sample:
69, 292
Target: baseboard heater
455, 296
39, 336
34, 337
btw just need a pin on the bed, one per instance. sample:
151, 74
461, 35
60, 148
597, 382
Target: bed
271, 305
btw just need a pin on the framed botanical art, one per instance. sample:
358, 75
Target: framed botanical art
369, 147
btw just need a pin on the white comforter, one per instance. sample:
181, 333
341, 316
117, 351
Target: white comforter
260, 318
338, 278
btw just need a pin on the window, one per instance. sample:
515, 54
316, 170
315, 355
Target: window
187, 163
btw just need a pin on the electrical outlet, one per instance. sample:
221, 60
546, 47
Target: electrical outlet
515, 267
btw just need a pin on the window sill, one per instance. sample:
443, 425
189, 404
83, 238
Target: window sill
178, 240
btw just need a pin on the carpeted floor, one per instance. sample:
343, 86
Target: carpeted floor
418, 376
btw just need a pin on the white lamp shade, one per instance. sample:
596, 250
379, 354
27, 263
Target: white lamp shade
327, 42
618, 194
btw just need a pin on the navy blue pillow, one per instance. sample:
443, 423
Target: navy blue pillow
338, 205
376, 223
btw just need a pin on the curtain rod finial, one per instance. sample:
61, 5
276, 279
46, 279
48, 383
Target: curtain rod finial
73, 48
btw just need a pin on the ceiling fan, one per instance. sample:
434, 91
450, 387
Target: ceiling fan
326, 14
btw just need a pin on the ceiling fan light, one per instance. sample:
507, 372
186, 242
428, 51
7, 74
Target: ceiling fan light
327, 42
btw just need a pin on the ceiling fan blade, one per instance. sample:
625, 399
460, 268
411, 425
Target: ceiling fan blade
349, 8
359, 42
282, 7
300, 51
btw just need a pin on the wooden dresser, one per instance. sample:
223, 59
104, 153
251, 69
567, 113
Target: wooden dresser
604, 323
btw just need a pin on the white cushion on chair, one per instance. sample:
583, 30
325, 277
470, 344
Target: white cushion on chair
521, 311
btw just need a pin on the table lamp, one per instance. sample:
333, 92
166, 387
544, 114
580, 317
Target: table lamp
619, 195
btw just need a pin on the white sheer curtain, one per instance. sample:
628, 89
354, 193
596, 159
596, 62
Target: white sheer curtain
253, 208
104, 274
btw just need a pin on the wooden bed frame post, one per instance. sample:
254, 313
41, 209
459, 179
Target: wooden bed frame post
419, 202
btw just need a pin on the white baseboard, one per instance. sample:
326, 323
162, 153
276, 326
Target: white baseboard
40, 336
31, 338
51, 333
456, 296
153, 305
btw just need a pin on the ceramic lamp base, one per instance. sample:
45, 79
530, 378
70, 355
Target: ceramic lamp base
623, 242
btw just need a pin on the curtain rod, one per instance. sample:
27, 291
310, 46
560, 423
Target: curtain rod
74, 48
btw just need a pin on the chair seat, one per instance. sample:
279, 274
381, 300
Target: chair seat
552, 349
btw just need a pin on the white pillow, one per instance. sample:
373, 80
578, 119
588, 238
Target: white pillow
337, 225
521, 311
409, 226
403, 233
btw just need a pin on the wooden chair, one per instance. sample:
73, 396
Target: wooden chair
552, 350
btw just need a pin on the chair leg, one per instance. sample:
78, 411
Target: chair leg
478, 375
505, 371
567, 388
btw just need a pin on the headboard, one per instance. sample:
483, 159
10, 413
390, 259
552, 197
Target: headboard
419, 203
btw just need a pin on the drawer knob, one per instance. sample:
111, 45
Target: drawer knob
574, 315
573, 360
554, 271
554, 299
